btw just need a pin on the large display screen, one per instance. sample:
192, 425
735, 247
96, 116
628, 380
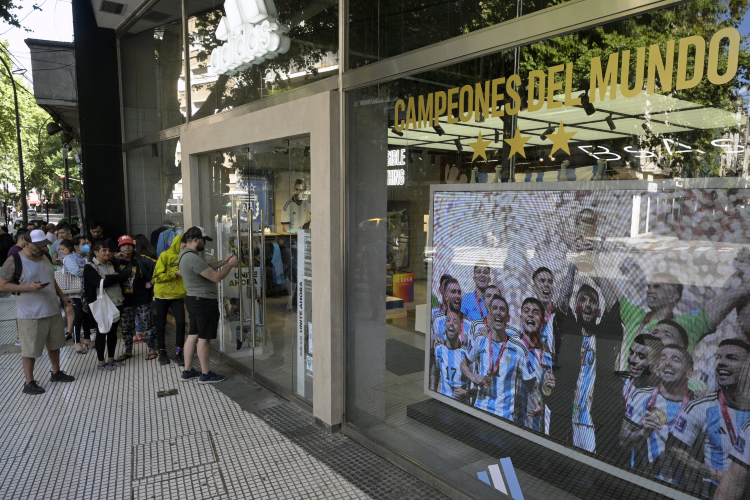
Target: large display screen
615, 321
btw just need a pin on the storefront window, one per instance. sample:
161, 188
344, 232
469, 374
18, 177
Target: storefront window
294, 46
152, 72
155, 188
268, 183
386, 28
547, 260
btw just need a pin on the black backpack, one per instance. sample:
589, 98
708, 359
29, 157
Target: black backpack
18, 262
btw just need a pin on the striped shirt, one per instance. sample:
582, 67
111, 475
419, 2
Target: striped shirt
472, 306
503, 397
740, 452
540, 361
449, 362
635, 408
584, 395
295, 215
702, 424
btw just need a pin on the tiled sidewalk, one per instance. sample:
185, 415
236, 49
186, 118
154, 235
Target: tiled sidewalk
110, 436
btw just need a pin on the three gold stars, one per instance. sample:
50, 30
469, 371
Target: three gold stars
479, 148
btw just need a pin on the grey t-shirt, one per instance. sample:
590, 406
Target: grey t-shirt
191, 267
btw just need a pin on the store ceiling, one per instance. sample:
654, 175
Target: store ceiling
666, 115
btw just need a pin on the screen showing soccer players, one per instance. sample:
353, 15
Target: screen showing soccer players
615, 321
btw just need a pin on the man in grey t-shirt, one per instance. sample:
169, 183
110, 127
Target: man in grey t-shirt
202, 303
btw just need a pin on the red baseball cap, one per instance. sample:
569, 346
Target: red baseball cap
125, 240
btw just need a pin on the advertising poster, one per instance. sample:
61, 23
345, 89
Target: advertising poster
255, 196
615, 321
304, 308
403, 287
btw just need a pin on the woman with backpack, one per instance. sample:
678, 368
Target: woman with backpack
137, 291
98, 268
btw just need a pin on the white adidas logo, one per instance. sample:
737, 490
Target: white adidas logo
513, 488
253, 35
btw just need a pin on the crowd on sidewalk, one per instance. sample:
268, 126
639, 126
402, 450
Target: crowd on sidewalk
115, 284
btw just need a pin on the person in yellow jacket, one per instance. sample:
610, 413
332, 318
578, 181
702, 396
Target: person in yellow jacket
169, 292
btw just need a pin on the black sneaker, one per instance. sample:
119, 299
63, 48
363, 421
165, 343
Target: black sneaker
188, 375
163, 358
180, 358
33, 388
61, 376
211, 378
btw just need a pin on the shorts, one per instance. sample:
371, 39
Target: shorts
204, 317
36, 334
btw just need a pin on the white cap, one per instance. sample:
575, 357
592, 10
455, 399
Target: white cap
51, 237
38, 238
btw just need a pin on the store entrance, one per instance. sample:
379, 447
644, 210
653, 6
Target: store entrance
260, 209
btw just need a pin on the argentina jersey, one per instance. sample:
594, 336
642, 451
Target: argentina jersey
438, 331
547, 333
635, 408
449, 363
741, 450
502, 397
295, 215
584, 394
472, 306
538, 361
703, 422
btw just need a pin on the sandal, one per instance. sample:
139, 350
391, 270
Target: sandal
124, 357
83, 350
152, 355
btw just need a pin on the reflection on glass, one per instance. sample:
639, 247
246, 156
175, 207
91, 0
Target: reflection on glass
311, 54
584, 271
269, 330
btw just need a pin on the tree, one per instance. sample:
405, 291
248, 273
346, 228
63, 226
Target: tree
8, 16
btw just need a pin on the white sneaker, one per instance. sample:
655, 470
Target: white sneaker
18, 342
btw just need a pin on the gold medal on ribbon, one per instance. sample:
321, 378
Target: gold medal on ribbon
660, 415
488, 380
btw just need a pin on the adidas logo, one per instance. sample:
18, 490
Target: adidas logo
509, 485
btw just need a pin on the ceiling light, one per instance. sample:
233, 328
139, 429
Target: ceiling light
646, 127
459, 146
420, 158
400, 134
481, 118
550, 130
586, 104
610, 122
497, 135
439, 129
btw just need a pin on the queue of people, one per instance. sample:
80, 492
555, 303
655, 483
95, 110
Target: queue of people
127, 272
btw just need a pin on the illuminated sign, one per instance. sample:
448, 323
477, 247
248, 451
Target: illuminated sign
252, 34
396, 157
396, 177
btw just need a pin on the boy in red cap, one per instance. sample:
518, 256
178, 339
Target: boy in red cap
137, 291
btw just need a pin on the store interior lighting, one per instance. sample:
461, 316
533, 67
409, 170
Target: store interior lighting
438, 129
400, 134
610, 122
646, 127
497, 136
586, 104
459, 146
550, 130
481, 117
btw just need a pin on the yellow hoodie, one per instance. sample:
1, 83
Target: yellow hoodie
167, 284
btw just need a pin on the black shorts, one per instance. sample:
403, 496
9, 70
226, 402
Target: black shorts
204, 317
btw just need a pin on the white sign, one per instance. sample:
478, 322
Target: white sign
253, 35
396, 157
396, 177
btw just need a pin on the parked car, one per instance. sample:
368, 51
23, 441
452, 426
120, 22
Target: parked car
31, 212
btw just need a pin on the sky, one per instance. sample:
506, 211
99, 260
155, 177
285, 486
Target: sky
53, 22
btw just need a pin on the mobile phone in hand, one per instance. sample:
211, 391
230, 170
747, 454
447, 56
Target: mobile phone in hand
44, 284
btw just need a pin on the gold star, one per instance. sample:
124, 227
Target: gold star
517, 143
479, 148
560, 139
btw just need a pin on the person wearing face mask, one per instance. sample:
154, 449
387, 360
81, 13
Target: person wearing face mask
101, 268
30, 275
73, 253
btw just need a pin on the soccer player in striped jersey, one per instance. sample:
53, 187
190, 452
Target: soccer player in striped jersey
645, 354
501, 369
472, 304
448, 357
651, 412
539, 360
708, 429
441, 305
735, 484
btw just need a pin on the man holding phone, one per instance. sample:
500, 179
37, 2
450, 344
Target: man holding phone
40, 322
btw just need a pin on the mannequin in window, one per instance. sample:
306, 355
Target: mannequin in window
296, 213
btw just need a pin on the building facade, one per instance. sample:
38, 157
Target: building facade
529, 230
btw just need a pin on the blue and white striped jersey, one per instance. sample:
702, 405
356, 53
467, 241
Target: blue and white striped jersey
635, 409
449, 363
438, 330
702, 421
504, 396
472, 306
295, 215
741, 451
584, 394
541, 362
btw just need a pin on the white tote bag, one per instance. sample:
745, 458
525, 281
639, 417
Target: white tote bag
104, 310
